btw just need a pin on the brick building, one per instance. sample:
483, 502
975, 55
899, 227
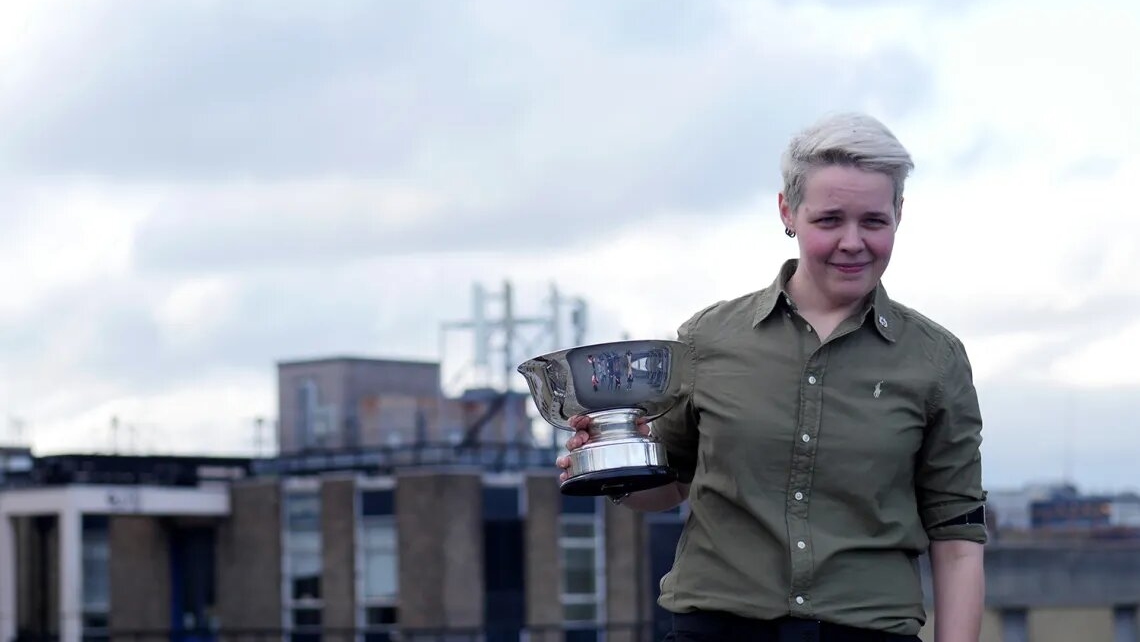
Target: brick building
455, 530
457, 549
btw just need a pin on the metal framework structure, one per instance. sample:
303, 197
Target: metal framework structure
502, 338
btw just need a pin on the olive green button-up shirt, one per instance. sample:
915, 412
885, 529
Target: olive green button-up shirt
820, 472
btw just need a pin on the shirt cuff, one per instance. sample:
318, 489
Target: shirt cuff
949, 509
969, 532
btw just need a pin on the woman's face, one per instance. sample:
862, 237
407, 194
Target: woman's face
845, 226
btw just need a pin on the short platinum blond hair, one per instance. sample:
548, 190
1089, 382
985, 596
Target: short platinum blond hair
850, 139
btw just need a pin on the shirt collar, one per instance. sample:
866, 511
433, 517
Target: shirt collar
880, 308
770, 296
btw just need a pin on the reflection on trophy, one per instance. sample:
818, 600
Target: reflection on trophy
614, 384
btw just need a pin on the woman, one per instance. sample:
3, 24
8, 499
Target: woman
831, 435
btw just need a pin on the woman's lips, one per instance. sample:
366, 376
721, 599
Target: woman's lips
850, 268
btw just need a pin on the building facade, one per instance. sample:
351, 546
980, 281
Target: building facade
422, 552
455, 530
457, 554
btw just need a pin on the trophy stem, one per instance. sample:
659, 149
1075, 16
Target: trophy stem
611, 425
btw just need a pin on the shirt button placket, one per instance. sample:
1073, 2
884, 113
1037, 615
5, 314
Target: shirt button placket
801, 480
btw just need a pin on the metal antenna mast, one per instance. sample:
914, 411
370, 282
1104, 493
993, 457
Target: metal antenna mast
502, 338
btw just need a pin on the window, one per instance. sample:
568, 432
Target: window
379, 554
96, 557
504, 562
303, 564
1014, 625
1124, 624
582, 545
316, 422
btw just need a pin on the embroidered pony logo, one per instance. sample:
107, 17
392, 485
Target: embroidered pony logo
878, 390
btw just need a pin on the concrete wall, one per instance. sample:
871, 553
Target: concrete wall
991, 628
249, 558
543, 561
627, 576
1047, 625
139, 574
330, 377
1067, 591
1071, 575
440, 531
387, 396
355, 390
507, 426
338, 537
1071, 624
415, 378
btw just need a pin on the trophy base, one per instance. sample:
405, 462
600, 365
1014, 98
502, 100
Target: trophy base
618, 481
617, 467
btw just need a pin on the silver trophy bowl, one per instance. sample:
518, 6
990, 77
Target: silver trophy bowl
613, 384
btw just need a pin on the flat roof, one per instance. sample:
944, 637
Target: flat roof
357, 359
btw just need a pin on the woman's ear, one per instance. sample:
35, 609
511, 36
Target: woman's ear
787, 216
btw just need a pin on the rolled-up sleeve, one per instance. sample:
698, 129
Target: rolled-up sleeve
677, 430
949, 471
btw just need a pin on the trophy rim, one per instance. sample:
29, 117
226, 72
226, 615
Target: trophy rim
552, 407
549, 356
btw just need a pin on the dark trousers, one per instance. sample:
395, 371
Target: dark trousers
708, 626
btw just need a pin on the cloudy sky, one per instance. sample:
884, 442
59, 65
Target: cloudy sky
193, 191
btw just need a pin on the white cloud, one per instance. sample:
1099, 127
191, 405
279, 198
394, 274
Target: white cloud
1101, 361
63, 234
171, 232
194, 309
214, 416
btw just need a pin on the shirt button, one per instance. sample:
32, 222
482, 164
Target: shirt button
799, 599
811, 379
806, 438
799, 496
801, 545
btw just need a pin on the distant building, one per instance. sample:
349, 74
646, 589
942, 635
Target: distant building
345, 404
1011, 509
16, 463
1086, 513
393, 512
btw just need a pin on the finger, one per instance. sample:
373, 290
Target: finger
562, 462
579, 438
581, 422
